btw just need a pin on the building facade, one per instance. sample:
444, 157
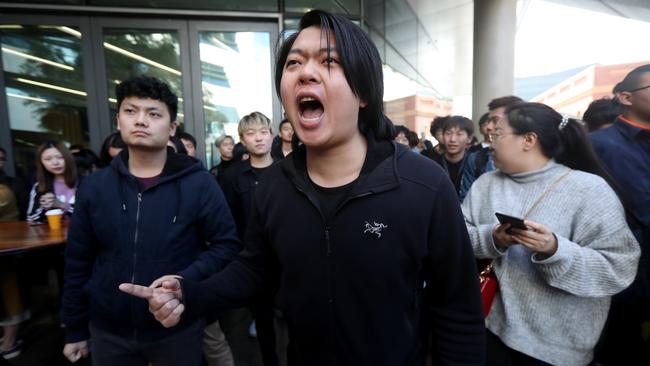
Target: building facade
416, 112
573, 95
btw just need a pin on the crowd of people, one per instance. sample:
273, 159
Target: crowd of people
348, 240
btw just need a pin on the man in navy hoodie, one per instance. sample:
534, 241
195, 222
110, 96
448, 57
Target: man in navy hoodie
624, 148
364, 240
151, 212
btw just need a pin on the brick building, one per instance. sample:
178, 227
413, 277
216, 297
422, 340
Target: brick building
417, 111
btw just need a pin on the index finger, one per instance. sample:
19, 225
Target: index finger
136, 290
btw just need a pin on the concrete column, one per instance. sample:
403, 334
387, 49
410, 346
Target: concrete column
495, 23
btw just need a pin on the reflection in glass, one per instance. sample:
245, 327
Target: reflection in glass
236, 80
239, 5
344, 7
44, 87
135, 52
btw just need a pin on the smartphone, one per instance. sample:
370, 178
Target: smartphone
513, 221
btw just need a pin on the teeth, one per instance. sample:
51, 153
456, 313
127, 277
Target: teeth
307, 99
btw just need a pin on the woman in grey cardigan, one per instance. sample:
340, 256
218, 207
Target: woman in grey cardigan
557, 277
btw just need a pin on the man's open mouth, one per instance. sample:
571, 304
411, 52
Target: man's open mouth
311, 109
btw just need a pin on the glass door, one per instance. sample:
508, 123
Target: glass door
233, 76
44, 67
129, 48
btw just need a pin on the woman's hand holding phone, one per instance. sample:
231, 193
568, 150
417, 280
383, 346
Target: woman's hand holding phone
502, 237
538, 238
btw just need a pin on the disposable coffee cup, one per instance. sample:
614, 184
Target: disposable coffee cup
54, 218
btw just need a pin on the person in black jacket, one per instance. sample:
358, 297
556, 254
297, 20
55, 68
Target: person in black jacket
239, 184
149, 213
364, 241
282, 143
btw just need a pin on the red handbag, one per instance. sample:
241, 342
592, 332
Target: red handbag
488, 281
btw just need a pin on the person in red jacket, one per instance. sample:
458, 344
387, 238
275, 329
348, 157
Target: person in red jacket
362, 241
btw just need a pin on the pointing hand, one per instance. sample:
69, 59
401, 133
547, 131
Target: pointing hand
164, 297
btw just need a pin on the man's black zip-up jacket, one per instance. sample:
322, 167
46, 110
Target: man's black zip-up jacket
392, 266
120, 233
238, 185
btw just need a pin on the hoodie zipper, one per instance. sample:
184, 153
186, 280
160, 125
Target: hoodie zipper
135, 257
135, 239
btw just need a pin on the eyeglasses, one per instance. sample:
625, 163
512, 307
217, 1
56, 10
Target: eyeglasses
639, 89
497, 136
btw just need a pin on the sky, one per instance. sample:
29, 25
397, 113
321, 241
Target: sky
553, 37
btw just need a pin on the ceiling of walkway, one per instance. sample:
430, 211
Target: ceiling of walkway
449, 24
633, 9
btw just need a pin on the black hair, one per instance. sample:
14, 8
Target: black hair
187, 136
148, 87
238, 151
113, 140
397, 129
463, 123
601, 112
568, 145
360, 62
484, 118
86, 161
428, 145
286, 120
631, 80
3, 150
503, 102
413, 138
180, 148
438, 123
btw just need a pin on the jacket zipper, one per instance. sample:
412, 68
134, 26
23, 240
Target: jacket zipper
328, 228
135, 239
135, 257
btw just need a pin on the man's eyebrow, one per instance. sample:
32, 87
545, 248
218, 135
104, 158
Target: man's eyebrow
300, 51
146, 108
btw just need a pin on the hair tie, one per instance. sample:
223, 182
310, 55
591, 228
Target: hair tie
565, 121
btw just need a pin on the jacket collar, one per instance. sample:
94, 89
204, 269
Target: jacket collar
176, 165
378, 173
629, 130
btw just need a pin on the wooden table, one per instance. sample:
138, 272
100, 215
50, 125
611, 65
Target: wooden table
19, 236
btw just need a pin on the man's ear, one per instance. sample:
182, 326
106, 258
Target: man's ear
363, 104
172, 129
530, 140
625, 98
117, 121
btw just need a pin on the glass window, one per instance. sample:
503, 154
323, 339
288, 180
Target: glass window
239, 5
44, 87
236, 80
134, 52
345, 7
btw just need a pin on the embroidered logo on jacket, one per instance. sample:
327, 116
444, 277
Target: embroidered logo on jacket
375, 229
